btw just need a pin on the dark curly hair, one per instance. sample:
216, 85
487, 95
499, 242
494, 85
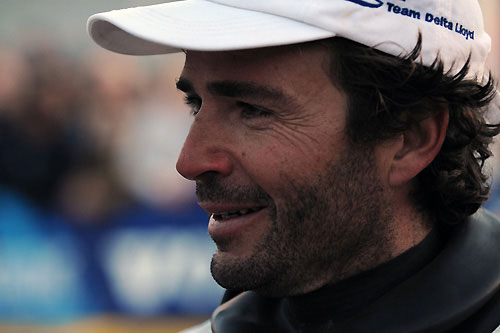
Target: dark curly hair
388, 95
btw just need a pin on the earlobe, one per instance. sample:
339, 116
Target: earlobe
419, 147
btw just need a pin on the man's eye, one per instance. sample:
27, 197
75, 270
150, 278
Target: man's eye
249, 111
194, 103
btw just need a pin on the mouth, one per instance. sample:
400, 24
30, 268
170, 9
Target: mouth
230, 221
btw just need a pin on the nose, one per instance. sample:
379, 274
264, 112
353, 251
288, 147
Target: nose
204, 150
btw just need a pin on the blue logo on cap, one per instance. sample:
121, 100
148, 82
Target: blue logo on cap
368, 3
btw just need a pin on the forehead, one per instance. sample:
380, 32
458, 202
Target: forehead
265, 64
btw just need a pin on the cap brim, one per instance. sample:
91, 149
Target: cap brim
195, 25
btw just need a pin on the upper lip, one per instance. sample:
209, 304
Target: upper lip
218, 208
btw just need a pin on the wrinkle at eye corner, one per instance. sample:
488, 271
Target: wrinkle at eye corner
296, 138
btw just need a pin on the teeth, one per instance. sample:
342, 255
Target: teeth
228, 215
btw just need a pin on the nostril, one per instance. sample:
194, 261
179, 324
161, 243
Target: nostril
208, 177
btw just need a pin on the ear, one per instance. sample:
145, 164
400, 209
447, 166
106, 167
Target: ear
418, 148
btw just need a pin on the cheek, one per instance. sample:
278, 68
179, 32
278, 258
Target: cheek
271, 168
270, 159
262, 166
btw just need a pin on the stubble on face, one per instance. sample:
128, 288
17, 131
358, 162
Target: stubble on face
323, 229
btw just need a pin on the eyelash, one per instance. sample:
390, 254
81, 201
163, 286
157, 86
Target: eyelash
194, 103
252, 111
248, 111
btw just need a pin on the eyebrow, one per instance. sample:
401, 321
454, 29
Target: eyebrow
184, 85
237, 89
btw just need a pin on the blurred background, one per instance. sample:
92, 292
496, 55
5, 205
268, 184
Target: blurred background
98, 233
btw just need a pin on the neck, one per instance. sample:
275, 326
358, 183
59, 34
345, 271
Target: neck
344, 299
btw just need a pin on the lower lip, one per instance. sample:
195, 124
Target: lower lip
232, 226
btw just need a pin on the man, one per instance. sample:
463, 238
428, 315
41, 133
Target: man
338, 146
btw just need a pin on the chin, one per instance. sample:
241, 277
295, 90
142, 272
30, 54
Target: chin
251, 273
234, 273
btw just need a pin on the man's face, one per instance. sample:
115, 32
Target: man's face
291, 202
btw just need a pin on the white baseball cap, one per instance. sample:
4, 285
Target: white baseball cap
452, 29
